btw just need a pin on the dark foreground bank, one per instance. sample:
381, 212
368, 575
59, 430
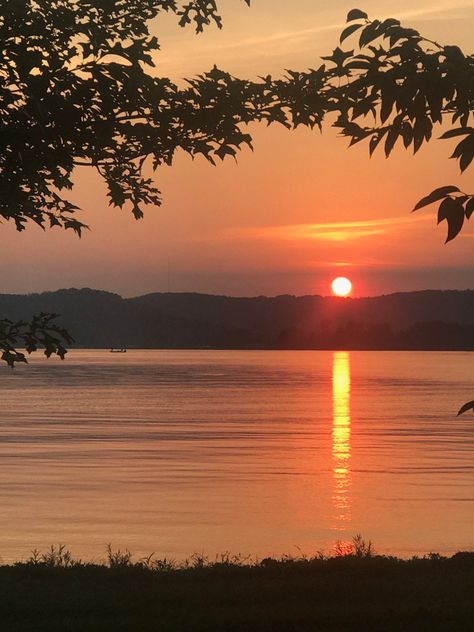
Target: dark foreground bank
369, 593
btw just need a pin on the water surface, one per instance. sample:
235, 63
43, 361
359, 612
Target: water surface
259, 453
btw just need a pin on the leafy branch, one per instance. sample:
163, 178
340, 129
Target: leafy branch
40, 332
401, 85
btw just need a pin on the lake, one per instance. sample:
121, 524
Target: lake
253, 452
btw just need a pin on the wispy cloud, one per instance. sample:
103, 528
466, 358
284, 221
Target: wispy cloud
438, 12
282, 42
331, 231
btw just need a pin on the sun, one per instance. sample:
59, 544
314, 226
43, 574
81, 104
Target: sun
341, 286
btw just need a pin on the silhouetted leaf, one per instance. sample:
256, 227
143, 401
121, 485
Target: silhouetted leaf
465, 152
459, 131
419, 129
339, 56
370, 32
434, 196
469, 208
390, 23
374, 141
347, 32
466, 159
391, 140
356, 14
451, 210
407, 134
465, 407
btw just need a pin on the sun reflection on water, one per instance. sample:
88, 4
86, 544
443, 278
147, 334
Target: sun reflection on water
341, 440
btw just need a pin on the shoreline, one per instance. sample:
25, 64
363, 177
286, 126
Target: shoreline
360, 591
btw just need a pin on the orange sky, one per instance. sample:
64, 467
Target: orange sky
287, 218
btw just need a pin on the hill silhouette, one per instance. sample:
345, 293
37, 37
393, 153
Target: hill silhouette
424, 320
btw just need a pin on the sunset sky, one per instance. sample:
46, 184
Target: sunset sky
289, 217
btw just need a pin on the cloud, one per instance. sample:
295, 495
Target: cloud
439, 12
281, 43
330, 231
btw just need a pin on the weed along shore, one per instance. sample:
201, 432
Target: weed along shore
53, 592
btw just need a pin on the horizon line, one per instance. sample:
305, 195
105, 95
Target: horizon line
232, 296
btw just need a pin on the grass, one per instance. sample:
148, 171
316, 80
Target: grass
52, 592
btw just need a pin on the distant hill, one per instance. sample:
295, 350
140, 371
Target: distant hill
429, 319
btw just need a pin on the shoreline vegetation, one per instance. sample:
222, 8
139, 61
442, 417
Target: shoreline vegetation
353, 589
425, 320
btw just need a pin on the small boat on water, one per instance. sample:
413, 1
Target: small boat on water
118, 350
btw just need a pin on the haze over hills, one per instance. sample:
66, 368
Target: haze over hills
428, 319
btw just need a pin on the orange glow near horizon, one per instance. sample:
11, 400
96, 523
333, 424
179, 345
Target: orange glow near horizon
341, 439
341, 286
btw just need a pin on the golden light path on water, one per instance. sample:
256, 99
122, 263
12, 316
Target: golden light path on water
341, 440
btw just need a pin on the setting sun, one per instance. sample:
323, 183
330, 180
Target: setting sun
341, 286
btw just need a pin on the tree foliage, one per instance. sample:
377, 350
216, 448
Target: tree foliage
78, 88
399, 87
40, 332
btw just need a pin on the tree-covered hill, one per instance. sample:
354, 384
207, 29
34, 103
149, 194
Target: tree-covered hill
412, 320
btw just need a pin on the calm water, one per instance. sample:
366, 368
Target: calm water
250, 452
